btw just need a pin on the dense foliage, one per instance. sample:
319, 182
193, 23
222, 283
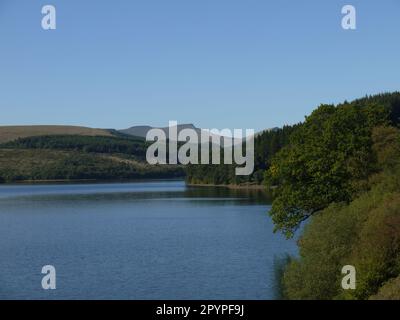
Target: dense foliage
34, 164
97, 144
341, 169
364, 233
266, 144
328, 156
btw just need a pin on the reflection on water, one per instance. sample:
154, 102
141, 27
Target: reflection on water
146, 240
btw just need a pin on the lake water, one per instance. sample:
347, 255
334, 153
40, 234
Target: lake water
144, 240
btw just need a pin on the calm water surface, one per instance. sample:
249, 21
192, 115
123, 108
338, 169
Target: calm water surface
144, 240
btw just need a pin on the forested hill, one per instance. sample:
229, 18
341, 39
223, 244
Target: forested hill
135, 147
390, 101
269, 142
79, 157
266, 144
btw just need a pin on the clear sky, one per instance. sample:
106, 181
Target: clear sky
215, 63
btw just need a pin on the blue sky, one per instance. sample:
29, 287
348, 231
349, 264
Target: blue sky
215, 63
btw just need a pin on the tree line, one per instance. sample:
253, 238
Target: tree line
95, 144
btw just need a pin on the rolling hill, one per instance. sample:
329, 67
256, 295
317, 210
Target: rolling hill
10, 133
63, 165
47, 153
141, 131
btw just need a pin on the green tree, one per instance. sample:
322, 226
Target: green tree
328, 155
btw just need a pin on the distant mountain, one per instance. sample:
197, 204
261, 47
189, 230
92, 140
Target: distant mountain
141, 131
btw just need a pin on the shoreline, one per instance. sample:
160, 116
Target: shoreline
92, 181
230, 186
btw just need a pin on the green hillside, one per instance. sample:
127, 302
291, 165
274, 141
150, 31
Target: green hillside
76, 157
45, 164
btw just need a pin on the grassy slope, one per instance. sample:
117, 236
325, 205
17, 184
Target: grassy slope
9, 133
45, 164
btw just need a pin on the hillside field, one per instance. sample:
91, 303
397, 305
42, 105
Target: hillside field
10, 133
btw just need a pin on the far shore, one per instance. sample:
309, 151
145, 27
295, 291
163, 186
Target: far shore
230, 186
71, 181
